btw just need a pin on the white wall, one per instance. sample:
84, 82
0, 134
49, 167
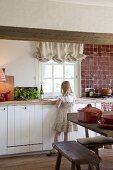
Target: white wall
17, 59
54, 15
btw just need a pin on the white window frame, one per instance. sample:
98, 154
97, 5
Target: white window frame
77, 78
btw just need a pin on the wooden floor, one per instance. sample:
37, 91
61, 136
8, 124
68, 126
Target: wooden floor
43, 162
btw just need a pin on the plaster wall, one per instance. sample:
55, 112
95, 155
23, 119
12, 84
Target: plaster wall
17, 59
54, 15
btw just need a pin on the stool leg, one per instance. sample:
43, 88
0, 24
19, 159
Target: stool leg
73, 166
90, 167
78, 167
97, 167
58, 161
97, 152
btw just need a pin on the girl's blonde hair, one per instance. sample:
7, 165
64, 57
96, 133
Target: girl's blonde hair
66, 88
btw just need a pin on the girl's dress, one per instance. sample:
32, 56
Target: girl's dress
61, 123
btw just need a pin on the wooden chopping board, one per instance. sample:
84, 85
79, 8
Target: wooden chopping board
7, 86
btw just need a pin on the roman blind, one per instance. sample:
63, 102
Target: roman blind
59, 52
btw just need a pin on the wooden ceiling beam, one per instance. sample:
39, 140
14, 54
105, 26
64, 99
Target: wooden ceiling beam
35, 34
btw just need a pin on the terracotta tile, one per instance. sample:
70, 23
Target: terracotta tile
99, 65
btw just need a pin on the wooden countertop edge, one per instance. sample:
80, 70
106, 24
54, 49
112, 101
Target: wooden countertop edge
23, 102
52, 102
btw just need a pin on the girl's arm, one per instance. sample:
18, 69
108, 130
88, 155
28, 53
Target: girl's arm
75, 98
58, 103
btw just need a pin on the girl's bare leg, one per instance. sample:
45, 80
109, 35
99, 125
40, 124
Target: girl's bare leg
56, 137
65, 136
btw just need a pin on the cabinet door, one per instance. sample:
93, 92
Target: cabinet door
3, 130
24, 128
36, 125
11, 126
98, 105
35, 129
22, 124
49, 116
18, 125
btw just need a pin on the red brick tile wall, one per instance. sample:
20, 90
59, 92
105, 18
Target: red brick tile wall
97, 67
107, 106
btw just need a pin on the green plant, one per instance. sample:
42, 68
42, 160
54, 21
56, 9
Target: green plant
33, 93
26, 93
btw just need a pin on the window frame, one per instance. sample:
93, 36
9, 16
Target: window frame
77, 87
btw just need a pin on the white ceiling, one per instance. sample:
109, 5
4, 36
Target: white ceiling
108, 3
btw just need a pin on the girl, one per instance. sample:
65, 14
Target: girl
65, 104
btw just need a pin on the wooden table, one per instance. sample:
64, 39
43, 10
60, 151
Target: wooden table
94, 127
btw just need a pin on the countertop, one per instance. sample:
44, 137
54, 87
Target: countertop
53, 101
24, 102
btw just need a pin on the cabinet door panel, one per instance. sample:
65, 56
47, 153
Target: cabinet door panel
98, 105
36, 125
18, 125
11, 125
24, 128
46, 128
22, 124
49, 116
3, 130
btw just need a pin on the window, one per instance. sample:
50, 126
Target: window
53, 74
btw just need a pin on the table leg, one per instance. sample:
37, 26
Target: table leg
86, 133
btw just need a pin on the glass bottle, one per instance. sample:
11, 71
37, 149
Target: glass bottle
41, 91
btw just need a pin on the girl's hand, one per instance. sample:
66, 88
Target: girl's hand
58, 103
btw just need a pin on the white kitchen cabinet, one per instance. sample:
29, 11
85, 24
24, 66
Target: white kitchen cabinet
24, 128
98, 105
27, 128
22, 124
80, 133
18, 125
49, 116
3, 130
81, 130
35, 131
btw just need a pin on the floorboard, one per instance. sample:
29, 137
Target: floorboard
43, 162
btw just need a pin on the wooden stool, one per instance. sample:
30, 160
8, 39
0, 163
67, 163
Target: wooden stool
77, 154
94, 143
